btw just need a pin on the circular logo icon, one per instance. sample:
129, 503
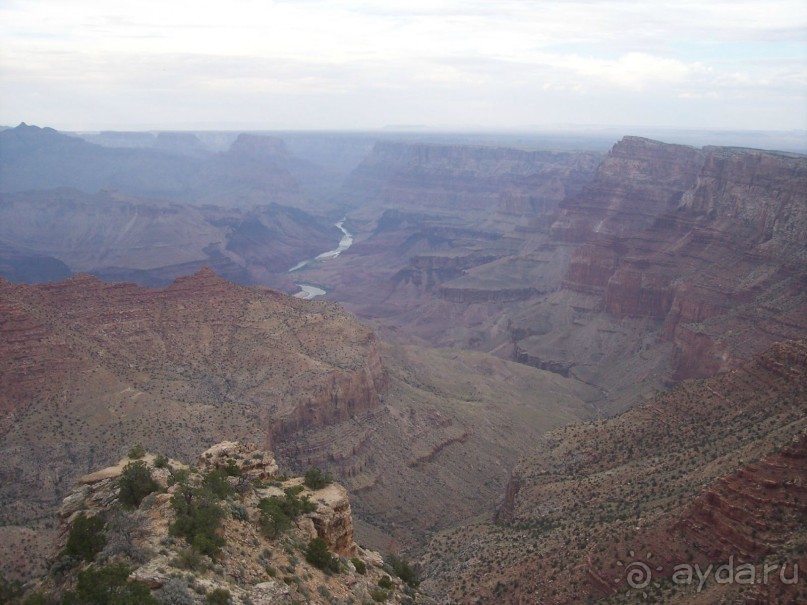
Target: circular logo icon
638, 575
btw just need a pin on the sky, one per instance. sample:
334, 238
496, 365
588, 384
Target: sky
440, 64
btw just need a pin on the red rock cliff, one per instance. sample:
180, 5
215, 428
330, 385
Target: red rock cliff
710, 242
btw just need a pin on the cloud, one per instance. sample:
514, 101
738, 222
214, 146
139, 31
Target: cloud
562, 56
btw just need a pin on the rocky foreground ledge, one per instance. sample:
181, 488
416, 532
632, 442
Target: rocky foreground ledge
229, 529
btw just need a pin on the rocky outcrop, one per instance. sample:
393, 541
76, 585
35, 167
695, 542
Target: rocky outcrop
332, 521
247, 458
248, 558
637, 181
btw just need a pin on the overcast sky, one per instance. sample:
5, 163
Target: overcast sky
353, 64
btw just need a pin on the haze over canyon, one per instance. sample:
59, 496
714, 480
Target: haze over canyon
530, 361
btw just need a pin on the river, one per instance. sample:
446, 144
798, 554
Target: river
310, 291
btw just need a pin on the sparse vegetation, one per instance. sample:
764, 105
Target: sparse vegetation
160, 461
320, 557
86, 539
278, 513
135, 483
361, 567
198, 517
108, 585
137, 452
316, 478
218, 596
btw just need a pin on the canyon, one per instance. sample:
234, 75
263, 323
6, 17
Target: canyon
530, 364
91, 367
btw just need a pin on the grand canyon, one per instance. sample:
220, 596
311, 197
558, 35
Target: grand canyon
530, 364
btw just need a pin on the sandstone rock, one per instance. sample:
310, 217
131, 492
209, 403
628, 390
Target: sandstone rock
371, 557
149, 575
332, 519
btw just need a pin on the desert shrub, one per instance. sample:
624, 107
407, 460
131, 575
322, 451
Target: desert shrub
379, 595
277, 513
135, 483
240, 512
218, 596
216, 482
198, 516
35, 598
232, 469
403, 570
175, 592
385, 582
179, 475
319, 556
86, 538
160, 461
137, 452
316, 478
121, 529
10, 590
189, 559
108, 585
361, 567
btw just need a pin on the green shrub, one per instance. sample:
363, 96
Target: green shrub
137, 452
319, 556
403, 570
316, 479
219, 596
198, 516
160, 461
135, 483
379, 595
278, 513
178, 475
385, 582
232, 469
35, 598
189, 559
108, 586
10, 590
216, 482
360, 566
86, 538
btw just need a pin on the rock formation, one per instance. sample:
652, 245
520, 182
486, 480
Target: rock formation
252, 565
709, 241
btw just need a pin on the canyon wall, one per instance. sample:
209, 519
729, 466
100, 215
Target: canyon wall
469, 178
710, 242
252, 171
89, 368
